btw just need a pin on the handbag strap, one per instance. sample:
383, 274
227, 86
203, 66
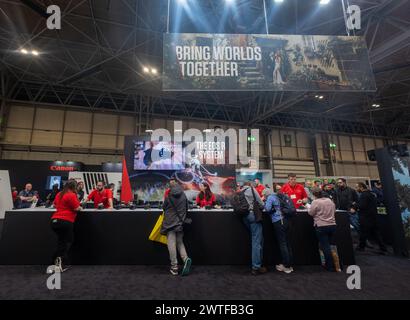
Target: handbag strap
254, 199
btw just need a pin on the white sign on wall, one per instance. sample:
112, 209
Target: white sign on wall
6, 201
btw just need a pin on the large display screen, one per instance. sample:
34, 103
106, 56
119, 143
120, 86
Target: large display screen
266, 62
158, 155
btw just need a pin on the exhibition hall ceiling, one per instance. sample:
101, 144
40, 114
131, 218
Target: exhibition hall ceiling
108, 56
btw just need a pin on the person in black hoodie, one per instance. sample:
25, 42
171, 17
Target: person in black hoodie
175, 211
367, 208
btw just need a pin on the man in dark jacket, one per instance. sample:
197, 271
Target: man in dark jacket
367, 207
175, 211
345, 198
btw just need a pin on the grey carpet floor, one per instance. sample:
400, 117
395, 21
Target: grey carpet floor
383, 277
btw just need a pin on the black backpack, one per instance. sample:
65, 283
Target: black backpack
239, 203
287, 207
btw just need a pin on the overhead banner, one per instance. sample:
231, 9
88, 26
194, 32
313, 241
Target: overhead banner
256, 62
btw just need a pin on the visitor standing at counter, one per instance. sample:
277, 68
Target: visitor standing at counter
62, 223
367, 207
346, 198
175, 211
172, 182
205, 197
253, 222
295, 191
101, 196
323, 212
281, 227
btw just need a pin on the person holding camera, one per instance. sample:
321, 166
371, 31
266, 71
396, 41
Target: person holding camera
175, 216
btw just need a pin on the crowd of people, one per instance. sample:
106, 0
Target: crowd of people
321, 202
102, 196
253, 199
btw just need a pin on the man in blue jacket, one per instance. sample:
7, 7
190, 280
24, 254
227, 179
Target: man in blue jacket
281, 227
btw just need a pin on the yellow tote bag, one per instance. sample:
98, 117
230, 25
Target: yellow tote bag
156, 234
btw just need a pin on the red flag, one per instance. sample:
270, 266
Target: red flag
126, 192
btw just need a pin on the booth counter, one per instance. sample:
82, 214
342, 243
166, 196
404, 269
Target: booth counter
215, 237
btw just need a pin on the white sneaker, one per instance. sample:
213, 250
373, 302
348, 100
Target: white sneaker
280, 267
174, 271
288, 270
59, 267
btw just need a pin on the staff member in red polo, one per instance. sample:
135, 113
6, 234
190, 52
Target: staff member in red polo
101, 196
295, 191
205, 197
259, 187
62, 222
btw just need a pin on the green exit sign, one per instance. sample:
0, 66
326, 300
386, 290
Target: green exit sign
251, 139
332, 145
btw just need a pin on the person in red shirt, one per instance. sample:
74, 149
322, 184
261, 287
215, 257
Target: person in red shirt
14, 194
259, 187
295, 191
205, 197
62, 222
101, 196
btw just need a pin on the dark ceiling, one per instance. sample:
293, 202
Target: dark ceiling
95, 61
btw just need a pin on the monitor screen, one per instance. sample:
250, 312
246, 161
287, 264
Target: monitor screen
52, 180
157, 155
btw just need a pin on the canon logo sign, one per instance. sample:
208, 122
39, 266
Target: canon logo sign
62, 168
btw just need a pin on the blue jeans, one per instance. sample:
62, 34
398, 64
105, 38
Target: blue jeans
354, 221
257, 239
325, 236
282, 236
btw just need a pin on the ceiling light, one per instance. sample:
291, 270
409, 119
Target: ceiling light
34, 52
154, 71
146, 69
321, 97
24, 51
149, 130
324, 1
278, 1
375, 105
